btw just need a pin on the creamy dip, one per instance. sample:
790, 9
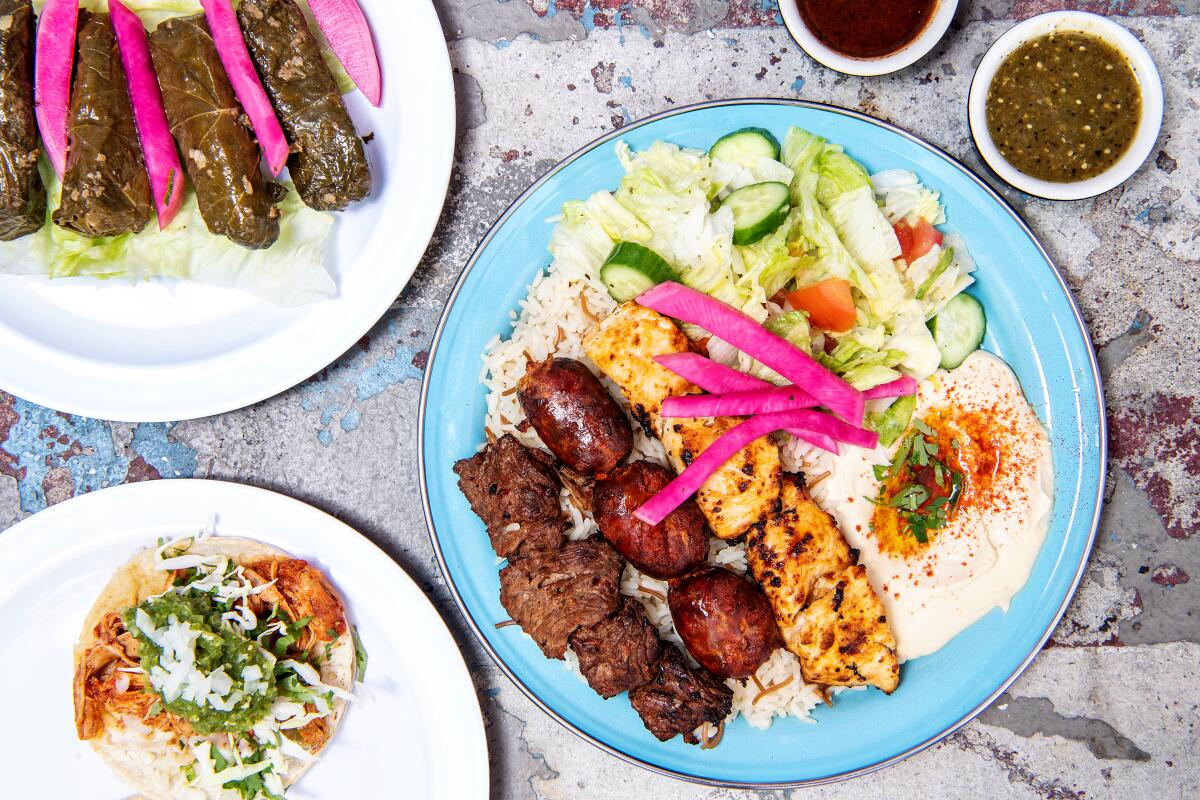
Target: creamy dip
983, 556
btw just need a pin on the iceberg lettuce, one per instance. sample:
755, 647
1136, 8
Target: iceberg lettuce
903, 197
291, 272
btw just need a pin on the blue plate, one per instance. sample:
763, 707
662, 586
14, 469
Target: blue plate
1033, 324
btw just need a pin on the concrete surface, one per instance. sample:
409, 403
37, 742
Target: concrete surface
1108, 710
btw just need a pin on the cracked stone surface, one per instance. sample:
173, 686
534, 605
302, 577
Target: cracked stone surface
1108, 710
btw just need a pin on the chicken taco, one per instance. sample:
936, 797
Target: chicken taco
214, 668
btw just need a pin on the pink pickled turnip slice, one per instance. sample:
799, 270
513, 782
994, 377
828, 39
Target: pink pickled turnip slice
231, 47
897, 388
158, 146
739, 330
717, 378
53, 62
656, 509
738, 404
709, 375
349, 37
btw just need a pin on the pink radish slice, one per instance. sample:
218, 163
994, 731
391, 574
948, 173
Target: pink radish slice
158, 146
349, 36
739, 330
688, 482
54, 60
738, 404
897, 388
719, 379
231, 47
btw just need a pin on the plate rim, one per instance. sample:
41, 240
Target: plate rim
19, 535
1102, 430
183, 406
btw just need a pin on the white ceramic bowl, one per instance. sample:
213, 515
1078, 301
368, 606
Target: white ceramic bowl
1143, 68
910, 53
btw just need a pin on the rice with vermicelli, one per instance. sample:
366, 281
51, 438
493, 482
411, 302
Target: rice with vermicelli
562, 304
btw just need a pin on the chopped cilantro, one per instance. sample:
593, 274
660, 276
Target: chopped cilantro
913, 500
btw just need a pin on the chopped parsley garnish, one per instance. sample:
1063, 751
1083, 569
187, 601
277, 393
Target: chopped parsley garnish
922, 488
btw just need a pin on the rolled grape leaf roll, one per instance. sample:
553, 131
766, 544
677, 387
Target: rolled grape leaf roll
105, 188
328, 162
218, 152
22, 195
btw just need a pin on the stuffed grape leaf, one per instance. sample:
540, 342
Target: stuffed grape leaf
328, 162
218, 152
105, 189
22, 194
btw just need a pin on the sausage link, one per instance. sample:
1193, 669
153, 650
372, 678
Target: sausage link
724, 621
575, 415
671, 548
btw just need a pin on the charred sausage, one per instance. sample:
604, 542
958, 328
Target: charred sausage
667, 550
724, 621
575, 415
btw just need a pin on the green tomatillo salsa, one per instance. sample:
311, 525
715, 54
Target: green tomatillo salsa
1064, 107
217, 647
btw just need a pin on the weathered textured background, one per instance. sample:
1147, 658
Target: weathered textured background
1108, 710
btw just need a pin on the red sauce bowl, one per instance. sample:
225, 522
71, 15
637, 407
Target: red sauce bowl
906, 54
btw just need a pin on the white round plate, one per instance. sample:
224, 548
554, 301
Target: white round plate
167, 350
416, 730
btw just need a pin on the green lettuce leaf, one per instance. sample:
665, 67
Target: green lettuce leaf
290, 272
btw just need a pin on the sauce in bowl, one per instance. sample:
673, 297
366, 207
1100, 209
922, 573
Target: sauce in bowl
866, 28
1064, 107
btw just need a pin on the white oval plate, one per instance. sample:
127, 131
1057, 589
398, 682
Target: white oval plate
167, 350
417, 724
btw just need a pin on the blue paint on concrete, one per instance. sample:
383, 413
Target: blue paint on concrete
78, 454
172, 459
389, 359
798, 84
503, 44
626, 79
351, 420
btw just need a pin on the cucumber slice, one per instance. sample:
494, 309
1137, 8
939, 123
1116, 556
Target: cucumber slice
758, 209
958, 329
745, 147
631, 269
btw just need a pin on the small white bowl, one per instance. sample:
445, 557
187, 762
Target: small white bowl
943, 13
1143, 68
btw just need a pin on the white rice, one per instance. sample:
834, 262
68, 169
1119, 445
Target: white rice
553, 318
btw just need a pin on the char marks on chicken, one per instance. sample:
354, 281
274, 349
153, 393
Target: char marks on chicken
679, 699
514, 489
551, 594
618, 654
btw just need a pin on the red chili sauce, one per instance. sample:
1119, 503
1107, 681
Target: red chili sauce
866, 28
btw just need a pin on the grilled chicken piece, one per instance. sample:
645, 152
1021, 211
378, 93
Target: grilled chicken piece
844, 636
623, 346
744, 491
741, 493
840, 635
787, 555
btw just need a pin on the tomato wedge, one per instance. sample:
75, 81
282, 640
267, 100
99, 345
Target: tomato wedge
829, 304
916, 240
